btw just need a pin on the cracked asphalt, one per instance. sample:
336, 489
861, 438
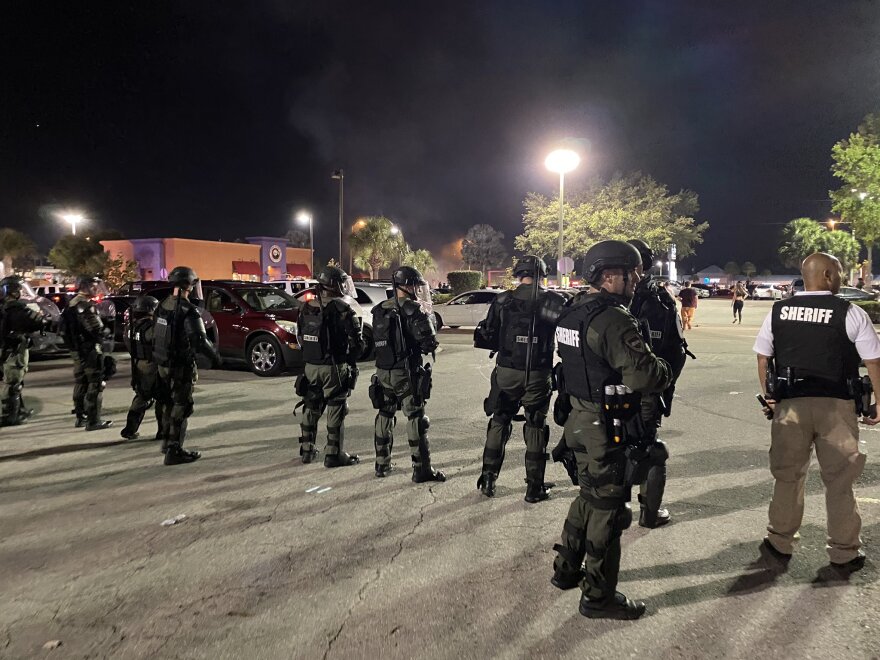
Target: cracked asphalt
276, 559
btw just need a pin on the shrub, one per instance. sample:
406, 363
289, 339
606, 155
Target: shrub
870, 306
464, 280
439, 298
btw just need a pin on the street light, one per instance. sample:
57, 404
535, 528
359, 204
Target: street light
339, 175
561, 161
73, 219
302, 218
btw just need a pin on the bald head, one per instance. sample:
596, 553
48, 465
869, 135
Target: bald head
821, 272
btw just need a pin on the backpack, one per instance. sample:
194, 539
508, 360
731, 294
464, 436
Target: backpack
653, 305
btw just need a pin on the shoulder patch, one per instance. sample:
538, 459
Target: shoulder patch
634, 341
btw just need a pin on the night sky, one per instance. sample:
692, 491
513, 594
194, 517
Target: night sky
217, 120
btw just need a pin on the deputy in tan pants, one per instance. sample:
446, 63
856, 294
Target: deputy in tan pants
816, 342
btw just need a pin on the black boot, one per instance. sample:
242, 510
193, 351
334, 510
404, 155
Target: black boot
616, 607
334, 456
98, 424
566, 580
536, 439
176, 455
422, 474
652, 519
12, 411
537, 492
382, 471
132, 424
307, 451
24, 413
81, 420
486, 483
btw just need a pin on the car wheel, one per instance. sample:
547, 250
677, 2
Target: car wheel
438, 322
264, 356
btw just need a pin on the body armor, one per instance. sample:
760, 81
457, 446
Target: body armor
653, 304
140, 344
323, 333
513, 333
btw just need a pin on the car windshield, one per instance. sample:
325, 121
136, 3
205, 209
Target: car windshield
267, 299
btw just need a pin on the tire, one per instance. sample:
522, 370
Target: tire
438, 321
263, 356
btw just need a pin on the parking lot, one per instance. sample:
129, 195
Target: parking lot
278, 559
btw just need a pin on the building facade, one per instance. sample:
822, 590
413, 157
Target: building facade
260, 259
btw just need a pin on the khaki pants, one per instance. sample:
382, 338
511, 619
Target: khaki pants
831, 425
687, 315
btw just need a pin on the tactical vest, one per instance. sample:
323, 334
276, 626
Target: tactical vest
516, 318
585, 373
314, 333
139, 347
170, 343
651, 305
70, 328
811, 346
390, 345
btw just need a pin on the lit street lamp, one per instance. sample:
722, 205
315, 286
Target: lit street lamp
304, 217
339, 175
73, 219
561, 161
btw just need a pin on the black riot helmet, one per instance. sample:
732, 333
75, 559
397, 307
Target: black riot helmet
645, 252
332, 278
610, 254
182, 277
407, 276
530, 266
144, 305
84, 282
11, 286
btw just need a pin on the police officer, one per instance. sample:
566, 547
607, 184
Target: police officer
655, 308
605, 365
17, 321
330, 335
403, 331
144, 372
178, 336
84, 332
519, 328
811, 344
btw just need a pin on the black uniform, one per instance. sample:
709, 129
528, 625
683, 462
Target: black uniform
16, 322
84, 334
144, 379
511, 319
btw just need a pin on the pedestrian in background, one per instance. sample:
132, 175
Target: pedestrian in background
688, 298
739, 300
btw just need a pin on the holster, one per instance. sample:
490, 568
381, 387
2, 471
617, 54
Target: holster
109, 367
483, 339
424, 383
377, 394
301, 385
490, 403
861, 390
561, 408
353, 373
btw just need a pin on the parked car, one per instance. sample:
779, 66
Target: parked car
674, 287
703, 290
370, 294
766, 292
852, 293
293, 287
465, 309
57, 293
363, 312
796, 285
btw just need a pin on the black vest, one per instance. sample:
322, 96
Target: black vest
516, 317
389, 343
314, 333
170, 342
810, 340
585, 373
140, 347
656, 307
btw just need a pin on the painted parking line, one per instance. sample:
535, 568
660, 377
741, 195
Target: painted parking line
317, 490
312, 489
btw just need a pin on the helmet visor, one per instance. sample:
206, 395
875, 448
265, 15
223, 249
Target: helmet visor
423, 298
347, 287
197, 292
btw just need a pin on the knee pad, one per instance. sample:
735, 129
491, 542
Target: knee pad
535, 415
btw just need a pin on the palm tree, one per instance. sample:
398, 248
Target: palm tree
421, 260
375, 244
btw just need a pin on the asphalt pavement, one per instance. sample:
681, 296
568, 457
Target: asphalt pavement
275, 559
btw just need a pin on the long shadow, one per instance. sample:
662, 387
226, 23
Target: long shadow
63, 449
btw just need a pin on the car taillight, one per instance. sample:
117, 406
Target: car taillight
308, 295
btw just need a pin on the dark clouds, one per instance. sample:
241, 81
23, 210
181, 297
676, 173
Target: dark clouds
199, 120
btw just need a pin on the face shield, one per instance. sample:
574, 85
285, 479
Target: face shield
347, 287
196, 294
422, 295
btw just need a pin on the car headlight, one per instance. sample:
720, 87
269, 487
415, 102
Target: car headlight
287, 326
34, 307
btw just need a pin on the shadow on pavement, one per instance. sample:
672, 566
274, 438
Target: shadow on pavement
64, 449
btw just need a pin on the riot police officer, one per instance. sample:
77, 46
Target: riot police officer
331, 340
655, 308
605, 365
178, 336
18, 320
403, 331
519, 328
144, 372
84, 332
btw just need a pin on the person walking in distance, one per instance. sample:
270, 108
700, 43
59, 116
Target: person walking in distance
808, 351
331, 340
519, 327
688, 297
739, 300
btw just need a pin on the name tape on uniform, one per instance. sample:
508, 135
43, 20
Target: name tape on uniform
525, 339
808, 314
568, 336
310, 338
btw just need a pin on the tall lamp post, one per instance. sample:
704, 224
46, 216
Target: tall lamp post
340, 176
561, 161
304, 217
73, 219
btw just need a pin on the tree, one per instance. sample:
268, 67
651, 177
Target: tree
857, 165
297, 238
766, 272
483, 247
800, 237
421, 260
117, 271
842, 245
375, 244
749, 269
732, 268
14, 246
625, 207
72, 254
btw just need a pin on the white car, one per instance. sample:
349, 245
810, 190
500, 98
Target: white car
292, 286
766, 292
465, 309
370, 294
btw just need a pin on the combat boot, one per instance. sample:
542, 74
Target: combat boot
308, 455
653, 520
12, 411
421, 475
383, 470
176, 455
486, 483
537, 492
98, 425
81, 420
132, 423
566, 580
341, 459
616, 607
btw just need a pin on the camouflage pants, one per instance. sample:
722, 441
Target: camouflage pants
15, 367
175, 396
88, 384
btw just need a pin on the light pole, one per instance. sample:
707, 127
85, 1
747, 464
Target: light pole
561, 161
73, 219
340, 176
303, 217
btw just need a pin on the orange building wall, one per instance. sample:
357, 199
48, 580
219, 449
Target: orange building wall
299, 256
212, 260
114, 248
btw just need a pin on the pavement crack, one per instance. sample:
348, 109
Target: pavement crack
377, 575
